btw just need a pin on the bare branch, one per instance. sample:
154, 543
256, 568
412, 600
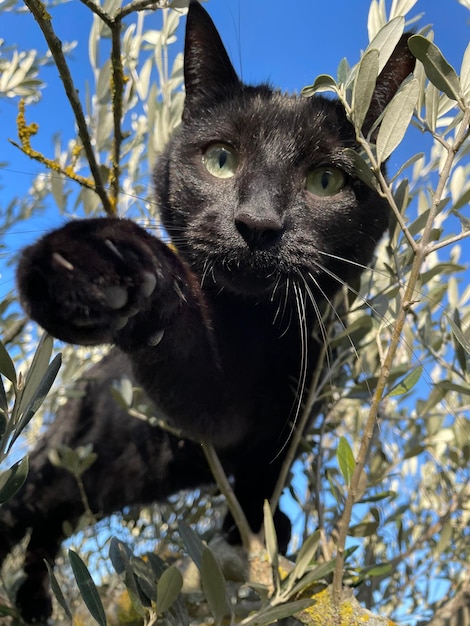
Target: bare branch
223, 483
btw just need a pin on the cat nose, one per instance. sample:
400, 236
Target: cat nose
259, 231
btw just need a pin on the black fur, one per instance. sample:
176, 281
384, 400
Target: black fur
217, 333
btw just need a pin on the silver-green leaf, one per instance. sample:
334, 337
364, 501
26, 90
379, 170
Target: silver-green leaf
364, 86
407, 383
346, 460
437, 68
396, 119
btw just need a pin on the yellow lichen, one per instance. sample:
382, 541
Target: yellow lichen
349, 612
25, 132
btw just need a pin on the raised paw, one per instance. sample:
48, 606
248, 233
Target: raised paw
85, 281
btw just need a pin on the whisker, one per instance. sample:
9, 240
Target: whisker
299, 299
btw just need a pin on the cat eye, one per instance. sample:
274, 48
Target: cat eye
220, 160
325, 181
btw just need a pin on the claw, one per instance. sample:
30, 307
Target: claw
109, 244
59, 259
155, 339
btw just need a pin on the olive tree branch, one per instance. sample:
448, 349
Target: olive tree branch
410, 295
246, 534
140, 5
448, 242
114, 23
44, 21
97, 10
117, 96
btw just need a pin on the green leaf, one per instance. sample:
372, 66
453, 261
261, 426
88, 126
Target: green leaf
407, 383
168, 588
3, 398
38, 396
213, 584
275, 613
364, 529
362, 168
3, 423
377, 497
460, 352
270, 537
465, 72
386, 39
323, 82
364, 86
36, 371
318, 573
344, 71
11, 480
306, 554
57, 591
407, 164
458, 334
119, 555
144, 577
7, 367
346, 460
192, 543
437, 69
461, 202
87, 588
431, 100
76, 461
397, 118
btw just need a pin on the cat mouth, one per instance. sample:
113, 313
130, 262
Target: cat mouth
250, 277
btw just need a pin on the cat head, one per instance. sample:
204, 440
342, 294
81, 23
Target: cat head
256, 188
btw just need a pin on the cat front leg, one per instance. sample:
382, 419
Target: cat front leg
84, 283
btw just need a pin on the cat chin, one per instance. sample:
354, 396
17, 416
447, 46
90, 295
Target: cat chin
247, 284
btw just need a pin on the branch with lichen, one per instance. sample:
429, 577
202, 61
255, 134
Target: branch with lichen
44, 21
25, 132
114, 23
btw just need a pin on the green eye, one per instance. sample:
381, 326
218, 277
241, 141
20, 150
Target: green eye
220, 160
325, 181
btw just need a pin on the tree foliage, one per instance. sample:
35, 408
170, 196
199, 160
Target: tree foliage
385, 478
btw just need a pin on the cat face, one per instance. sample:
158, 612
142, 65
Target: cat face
256, 189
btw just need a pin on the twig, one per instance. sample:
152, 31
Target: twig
44, 21
117, 93
97, 10
140, 5
448, 242
235, 509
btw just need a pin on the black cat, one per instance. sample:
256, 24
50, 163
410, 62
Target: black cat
269, 219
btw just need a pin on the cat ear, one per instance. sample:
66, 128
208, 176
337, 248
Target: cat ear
399, 66
208, 73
